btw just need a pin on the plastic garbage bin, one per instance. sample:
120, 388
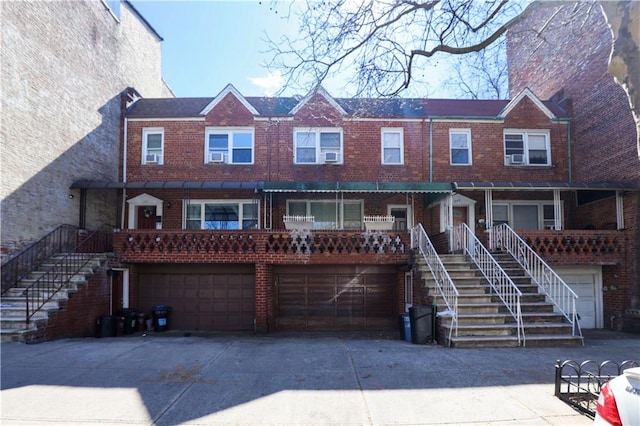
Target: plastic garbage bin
421, 324
405, 327
130, 320
160, 315
106, 326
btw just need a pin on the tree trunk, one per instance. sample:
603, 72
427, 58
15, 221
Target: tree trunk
623, 18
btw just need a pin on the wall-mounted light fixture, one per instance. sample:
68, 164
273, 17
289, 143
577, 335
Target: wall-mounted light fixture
71, 196
167, 204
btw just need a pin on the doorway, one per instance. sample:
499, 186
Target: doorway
119, 290
146, 217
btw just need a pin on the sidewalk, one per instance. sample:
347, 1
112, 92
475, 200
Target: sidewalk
312, 379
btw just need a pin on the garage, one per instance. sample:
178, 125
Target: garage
202, 297
586, 282
336, 301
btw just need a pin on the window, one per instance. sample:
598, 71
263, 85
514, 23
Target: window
221, 215
317, 146
527, 147
152, 145
392, 146
523, 215
329, 214
460, 146
232, 146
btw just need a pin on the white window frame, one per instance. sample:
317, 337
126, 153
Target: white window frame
540, 204
525, 146
146, 131
318, 150
340, 203
391, 130
241, 203
229, 132
466, 132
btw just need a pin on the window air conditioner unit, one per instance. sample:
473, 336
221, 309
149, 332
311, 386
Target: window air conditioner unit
216, 157
151, 159
330, 157
517, 158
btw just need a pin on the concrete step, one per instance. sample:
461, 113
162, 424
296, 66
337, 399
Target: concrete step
14, 306
16, 336
19, 323
484, 342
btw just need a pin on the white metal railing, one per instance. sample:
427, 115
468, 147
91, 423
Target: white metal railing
464, 239
447, 288
379, 218
547, 280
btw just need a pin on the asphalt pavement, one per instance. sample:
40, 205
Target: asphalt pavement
288, 379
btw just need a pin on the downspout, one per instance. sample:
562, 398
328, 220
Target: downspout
124, 173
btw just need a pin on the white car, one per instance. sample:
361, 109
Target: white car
619, 400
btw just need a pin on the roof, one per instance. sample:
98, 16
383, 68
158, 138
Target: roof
520, 186
355, 107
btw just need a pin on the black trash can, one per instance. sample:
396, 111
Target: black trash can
405, 327
106, 326
421, 324
160, 315
130, 323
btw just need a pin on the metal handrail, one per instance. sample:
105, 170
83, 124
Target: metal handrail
62, 239
465, 240
547, 280
61, 274
448, 290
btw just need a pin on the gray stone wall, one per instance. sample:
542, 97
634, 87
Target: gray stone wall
64, 65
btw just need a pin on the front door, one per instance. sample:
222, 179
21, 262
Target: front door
146, 217
117, 293
460, 215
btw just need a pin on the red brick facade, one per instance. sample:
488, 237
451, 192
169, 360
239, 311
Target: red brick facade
570, 62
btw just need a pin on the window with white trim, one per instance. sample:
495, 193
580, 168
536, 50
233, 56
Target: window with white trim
460, 147
392, 146
152, 145
528, 147
329, 214
317, 146
524, 215
229, 145
221, 214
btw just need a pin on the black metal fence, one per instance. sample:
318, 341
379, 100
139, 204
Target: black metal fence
579, 384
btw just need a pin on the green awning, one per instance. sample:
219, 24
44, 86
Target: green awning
402, 187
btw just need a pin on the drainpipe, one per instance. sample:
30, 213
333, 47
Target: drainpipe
124, 172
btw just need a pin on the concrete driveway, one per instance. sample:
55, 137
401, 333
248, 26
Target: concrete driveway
288, 379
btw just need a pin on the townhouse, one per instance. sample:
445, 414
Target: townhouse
249, 213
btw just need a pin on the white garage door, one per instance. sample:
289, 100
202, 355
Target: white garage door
586, 282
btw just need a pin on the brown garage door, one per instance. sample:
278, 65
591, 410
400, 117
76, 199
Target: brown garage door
335, 302
201, 301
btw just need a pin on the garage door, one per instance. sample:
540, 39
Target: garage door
335, 302
201, 301
586, 283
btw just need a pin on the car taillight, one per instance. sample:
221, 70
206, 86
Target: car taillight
607, 407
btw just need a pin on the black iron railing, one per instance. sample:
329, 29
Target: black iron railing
61, 240
65, 269
579, 384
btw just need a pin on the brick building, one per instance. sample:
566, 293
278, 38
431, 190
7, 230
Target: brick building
569, 63
215, 193
64, 68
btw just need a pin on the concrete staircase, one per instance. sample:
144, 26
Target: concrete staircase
484, 321
13, 324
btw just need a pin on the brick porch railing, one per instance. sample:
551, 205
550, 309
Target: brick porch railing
577, 246
294, 246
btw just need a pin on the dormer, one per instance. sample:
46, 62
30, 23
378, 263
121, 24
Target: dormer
526, 110
318, 105
229, 107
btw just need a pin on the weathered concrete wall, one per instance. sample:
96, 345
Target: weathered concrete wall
64, 66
